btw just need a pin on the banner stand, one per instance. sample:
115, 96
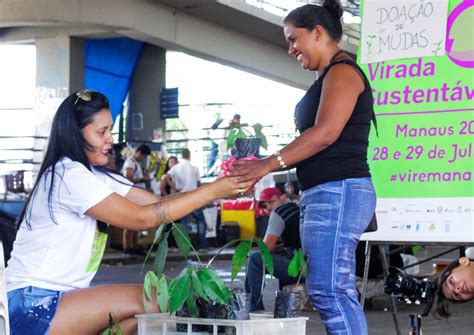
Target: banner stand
383, 255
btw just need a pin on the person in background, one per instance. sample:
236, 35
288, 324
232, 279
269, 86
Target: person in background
186, 177
455, 285
290, 194
235, 121
338, 198
60, 242
132, 170
283, 225
167, 186
214, 136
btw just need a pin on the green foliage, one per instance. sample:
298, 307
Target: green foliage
182, 238
266, 255
298, 266
242, 253
155, 240
180, 288
239, 131
195, 282
162, 294
161, 254
240, 256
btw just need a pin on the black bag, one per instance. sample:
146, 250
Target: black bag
372, 225
227, 232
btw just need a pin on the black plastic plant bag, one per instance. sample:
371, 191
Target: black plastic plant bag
207, 310
287, 304
240, 306
244, 147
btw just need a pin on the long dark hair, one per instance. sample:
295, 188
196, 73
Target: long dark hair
167, 168
442, 303
327, 16
66, 140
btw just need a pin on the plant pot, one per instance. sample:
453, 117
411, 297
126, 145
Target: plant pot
240, 306
207, 310
244, 147
182, 327
288, 304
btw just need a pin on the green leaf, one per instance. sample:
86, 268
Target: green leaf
179, 291
215, 293
232, 136
241, 134
157, 236
197, 286
206, 275
266, 256
108, 331
150, 280
240, 255
209, 277
162, 294
293, 267
181, 236
257, 128
191, 303
161, 254
228, 244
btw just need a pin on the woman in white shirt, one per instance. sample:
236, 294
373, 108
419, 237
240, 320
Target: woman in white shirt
59, 245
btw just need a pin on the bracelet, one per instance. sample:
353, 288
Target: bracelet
280, 159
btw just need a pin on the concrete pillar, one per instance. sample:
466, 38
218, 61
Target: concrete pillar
59, 72
144, 97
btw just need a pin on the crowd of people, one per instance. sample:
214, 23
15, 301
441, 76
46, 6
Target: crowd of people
62, 230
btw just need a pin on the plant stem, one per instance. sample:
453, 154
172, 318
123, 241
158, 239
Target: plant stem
189, 242
228, 244
299, 278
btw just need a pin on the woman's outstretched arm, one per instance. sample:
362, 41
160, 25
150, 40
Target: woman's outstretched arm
142, 214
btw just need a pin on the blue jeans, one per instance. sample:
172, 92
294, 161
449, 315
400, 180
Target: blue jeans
253, 282
333, 216
201, 225
31, 310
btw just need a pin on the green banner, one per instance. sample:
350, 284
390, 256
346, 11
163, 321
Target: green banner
425, 115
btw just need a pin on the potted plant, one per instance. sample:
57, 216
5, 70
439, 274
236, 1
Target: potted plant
241, 303
288, 303
198, 290
244, 142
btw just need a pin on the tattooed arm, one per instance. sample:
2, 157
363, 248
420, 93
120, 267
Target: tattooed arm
121, 212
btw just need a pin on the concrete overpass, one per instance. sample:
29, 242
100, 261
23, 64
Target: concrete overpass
230, 32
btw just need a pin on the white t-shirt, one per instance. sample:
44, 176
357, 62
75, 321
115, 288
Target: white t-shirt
185, 175
66, 255
131, 162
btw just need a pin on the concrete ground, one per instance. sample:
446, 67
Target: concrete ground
117, 268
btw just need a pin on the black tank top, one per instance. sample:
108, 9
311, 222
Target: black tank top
347, 157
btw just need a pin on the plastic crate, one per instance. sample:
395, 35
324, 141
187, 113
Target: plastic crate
259, 324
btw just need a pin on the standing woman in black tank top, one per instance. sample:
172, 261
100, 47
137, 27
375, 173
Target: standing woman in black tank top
330, 156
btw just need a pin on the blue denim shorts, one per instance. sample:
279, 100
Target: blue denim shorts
31, 310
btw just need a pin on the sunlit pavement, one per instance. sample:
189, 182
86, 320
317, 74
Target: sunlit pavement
123, 269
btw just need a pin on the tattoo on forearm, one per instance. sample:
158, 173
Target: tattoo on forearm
162, 213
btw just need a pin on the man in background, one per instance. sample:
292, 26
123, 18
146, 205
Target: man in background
283, 225
133, 171
186, 178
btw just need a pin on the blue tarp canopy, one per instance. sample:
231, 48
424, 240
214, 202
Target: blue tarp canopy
109, 68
